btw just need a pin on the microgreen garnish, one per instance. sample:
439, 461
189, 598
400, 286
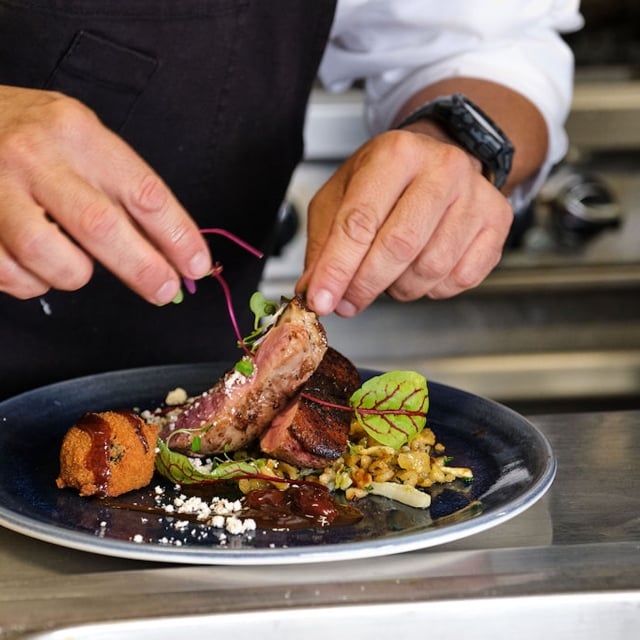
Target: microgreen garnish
244, 366
216, 273
262, 308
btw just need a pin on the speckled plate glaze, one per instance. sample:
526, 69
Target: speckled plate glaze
512, 462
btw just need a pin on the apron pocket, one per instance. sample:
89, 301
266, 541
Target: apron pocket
104, 75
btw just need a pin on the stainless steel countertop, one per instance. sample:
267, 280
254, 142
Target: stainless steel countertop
583, 535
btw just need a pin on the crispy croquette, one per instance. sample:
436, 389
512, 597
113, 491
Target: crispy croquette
108, 454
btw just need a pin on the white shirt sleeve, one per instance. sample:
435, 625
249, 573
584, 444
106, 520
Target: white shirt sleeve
400, 46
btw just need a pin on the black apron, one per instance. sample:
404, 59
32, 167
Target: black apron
212, 94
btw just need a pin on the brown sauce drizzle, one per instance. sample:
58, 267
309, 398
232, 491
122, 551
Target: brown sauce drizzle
101, 433
97, 460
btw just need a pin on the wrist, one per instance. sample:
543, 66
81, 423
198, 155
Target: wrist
466, 125
436, 132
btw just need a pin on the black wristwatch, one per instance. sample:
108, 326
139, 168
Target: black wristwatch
467, 125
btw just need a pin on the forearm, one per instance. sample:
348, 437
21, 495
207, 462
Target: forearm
515, 115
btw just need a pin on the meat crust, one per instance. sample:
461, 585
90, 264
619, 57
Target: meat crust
311, 434
237, 409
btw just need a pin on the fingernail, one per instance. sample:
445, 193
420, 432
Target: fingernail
346, 309
199, 265
322, 302
167, 292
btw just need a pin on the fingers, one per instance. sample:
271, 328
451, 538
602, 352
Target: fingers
466, 270
464, 248
17, 281
145, 197
34, 254
426, 223
105, 231
71, 191
362, 193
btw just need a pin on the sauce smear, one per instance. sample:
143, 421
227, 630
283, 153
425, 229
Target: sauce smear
298, 506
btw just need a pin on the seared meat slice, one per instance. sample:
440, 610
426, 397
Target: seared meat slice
238, 408
310, 434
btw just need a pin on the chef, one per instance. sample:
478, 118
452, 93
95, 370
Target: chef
127, 127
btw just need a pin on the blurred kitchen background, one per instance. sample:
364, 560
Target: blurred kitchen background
557, 325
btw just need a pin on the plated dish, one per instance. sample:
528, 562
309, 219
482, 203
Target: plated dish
512, 462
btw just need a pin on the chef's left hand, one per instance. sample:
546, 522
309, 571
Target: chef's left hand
407, 214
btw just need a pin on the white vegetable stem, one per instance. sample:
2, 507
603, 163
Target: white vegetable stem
402, 493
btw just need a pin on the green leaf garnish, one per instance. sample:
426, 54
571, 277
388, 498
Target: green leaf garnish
178, 468
261, 308
245, 367
392, 407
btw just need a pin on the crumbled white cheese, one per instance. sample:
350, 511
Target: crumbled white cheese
218, 513
237, 526
216, 517
234, 378
217, 522
176, 397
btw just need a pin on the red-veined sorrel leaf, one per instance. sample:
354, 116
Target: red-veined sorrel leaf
179, 468
392, 407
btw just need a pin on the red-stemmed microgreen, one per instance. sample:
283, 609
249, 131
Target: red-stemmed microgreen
244, 365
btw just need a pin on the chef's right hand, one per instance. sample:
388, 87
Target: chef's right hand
72, 191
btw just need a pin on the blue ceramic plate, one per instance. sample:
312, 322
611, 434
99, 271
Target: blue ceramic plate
512, 463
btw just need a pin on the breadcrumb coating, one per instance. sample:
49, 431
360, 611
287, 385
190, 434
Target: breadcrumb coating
108, 454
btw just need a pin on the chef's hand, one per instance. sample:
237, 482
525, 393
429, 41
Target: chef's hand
408, 214
71, 191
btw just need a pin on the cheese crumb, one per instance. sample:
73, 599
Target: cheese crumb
176, 397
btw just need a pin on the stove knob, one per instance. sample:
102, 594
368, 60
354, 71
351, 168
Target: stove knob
582, 208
